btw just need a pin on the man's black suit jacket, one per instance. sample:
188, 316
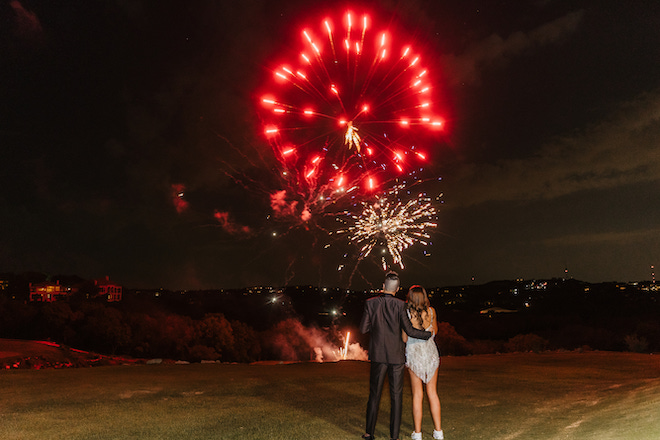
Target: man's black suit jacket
385, 316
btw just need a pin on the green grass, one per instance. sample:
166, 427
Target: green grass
520, 396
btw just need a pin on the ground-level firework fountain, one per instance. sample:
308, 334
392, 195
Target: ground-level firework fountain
344, 351
350, 351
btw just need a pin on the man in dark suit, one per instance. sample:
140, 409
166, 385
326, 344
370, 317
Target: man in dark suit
384, 317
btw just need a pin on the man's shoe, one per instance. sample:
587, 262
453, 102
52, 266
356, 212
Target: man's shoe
368, 437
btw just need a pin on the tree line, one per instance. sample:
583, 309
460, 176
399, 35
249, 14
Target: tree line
246, 328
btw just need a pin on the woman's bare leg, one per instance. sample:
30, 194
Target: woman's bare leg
417, 398
434, 401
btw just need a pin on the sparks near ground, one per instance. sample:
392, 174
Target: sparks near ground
343, 352
343, 115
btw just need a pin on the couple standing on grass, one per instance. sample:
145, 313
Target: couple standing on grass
401, 334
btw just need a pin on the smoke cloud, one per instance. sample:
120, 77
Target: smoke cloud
178, 201
292, 341
280, 206
26, 23
229, 226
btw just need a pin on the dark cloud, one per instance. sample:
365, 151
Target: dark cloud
495, 51
622, 150
617, 238
26, 23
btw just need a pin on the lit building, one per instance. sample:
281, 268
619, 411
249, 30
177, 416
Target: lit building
109, 290
48, 291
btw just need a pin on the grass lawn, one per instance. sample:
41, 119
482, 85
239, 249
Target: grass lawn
581, 396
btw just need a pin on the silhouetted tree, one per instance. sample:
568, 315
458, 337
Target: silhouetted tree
246, 346
104, 330
146, 335
178, 335
449, 341
215, 331
58, 322
17, 319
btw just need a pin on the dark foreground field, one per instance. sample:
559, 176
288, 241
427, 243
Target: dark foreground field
581, 396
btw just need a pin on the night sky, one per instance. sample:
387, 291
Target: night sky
124, 128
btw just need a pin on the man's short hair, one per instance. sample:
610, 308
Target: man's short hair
391, 283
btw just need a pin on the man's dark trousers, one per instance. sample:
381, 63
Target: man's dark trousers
394, 373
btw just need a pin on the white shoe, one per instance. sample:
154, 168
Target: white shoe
416, 436
438, 435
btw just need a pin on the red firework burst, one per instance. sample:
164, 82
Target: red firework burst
340, 118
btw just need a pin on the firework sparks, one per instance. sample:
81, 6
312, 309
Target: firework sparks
344, 352
392, 223
342, 115
352, 138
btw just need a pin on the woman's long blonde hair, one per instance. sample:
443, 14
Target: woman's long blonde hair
418, 302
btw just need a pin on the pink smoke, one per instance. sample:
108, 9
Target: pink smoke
229, 226
292, 334
27, 22
280, 206
177, 194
